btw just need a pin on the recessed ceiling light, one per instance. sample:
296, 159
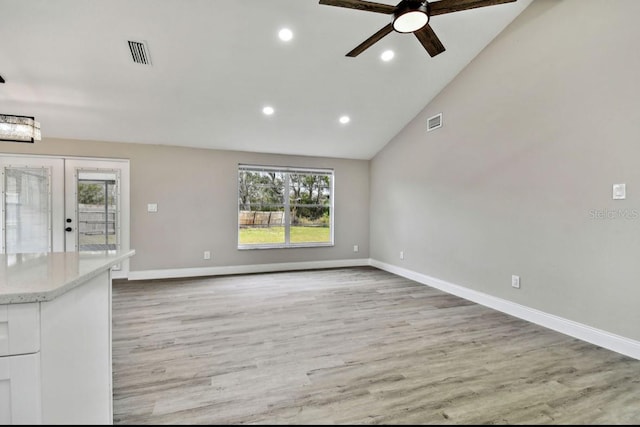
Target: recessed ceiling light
387, 55
285, 34
345, 119
268, 110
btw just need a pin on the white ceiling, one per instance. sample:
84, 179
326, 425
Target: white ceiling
216, 63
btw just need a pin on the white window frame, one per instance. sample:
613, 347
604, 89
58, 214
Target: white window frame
288, 170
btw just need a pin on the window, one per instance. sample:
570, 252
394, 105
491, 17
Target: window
284, 207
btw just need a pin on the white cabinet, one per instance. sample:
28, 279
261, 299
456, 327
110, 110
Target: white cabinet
55, 358
20, 389
55, 337
20, 400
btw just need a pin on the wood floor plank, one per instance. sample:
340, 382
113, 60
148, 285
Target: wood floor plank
349, 346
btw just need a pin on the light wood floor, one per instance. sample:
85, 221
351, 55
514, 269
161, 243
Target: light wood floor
349, 346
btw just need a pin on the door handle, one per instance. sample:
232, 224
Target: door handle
68, 229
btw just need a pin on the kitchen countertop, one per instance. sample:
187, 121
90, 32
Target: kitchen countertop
44, 276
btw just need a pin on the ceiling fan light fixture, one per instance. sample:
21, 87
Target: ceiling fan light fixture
411, 18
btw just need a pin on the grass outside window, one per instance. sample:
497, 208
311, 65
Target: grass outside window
275, 235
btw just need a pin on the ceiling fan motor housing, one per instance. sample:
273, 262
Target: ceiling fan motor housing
410, 16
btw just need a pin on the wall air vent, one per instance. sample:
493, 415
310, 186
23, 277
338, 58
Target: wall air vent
140, 52
434, 122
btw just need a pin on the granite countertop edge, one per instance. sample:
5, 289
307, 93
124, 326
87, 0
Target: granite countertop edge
49, 295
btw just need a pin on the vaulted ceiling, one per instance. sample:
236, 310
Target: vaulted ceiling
216, 64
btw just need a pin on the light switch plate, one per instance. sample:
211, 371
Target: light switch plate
619, 191
515, 281
152, 207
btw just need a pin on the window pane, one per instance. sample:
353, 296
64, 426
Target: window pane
283, 207
309, 189
309, 199
27, 210
261, 208
259, 191
310, 225
261, 227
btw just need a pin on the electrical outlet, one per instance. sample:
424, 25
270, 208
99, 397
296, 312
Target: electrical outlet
355, 248
515, 281
207, 254
401, 254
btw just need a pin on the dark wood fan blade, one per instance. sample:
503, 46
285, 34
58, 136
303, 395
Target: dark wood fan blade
371, 41
429, 40
361, 5
448, 6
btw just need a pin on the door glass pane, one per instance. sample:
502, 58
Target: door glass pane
27, 210
97, 211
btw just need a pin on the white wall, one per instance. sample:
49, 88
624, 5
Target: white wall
536, 130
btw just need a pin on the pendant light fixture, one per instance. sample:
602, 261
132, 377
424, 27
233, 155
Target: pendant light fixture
19, 128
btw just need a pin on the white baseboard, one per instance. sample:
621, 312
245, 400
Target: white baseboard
244, 269
601, 338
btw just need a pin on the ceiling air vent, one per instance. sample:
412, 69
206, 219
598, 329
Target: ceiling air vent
140, 52
434, 122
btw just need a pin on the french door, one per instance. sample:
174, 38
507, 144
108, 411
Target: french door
64, 204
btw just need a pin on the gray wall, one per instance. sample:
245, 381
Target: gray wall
196, 192
536, 130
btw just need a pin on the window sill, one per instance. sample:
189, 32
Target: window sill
289, 246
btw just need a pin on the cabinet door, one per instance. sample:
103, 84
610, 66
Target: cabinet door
19, 328
20, 389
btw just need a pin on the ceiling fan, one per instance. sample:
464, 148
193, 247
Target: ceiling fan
411, 16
